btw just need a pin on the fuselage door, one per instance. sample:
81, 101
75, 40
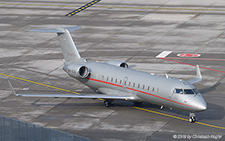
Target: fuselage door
125, 82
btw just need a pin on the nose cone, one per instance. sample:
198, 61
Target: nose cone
202, 106
200, 103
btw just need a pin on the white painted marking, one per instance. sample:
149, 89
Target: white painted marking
25, 89
163, 54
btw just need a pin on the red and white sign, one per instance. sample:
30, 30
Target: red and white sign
188, 55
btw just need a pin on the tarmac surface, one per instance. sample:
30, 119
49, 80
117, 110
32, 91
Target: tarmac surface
131, 31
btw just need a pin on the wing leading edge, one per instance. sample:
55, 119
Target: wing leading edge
94, 96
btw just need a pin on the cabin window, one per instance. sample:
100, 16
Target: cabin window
102, 77
120, 81
143, 86
111, 79
107, 79
125, 82
129, 83
153, 89
148, 88
138, 85
157, 90
116, 81
133, 84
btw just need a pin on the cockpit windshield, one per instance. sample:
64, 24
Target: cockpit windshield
179, 91
186, 91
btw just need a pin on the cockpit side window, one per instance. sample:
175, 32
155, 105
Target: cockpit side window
196, 91
188, 91
178, 91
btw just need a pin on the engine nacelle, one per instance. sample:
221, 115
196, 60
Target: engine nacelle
118, 63
78, 71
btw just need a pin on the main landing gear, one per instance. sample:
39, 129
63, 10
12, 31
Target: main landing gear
137, 103
108, 103
192, 118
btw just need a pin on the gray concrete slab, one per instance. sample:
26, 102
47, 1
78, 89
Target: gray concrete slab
132, 31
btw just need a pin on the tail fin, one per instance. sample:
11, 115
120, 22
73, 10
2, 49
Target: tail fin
68, 47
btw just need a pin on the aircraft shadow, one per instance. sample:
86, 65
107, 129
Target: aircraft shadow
209, 89
209, 114
213, 112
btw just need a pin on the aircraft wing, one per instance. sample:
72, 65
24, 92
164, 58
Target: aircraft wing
198, 76
93, 96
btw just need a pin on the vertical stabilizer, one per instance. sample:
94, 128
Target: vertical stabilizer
68, 47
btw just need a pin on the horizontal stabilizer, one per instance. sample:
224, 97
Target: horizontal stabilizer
57, 30
67, 44
198, 76
92, 96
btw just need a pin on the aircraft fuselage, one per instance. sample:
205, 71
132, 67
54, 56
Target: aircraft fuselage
114, 80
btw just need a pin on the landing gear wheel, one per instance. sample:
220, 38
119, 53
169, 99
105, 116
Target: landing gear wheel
192, 118
138, 104
108, 103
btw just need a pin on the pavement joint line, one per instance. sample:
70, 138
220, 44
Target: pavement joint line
30, 4
114, 7
74, 12
143, 109
166, 8
180, 118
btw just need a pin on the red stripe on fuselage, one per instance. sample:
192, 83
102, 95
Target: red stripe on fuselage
141, 92
159, 97
105, 82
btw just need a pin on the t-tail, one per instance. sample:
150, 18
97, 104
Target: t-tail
68, 47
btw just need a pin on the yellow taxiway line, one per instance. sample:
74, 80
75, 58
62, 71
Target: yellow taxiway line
26, 80
139, 108
176, 117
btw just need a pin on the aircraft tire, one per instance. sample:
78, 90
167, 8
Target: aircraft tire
108, 103
192, 119
137, 104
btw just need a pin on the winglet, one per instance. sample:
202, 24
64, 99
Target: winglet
12, 89
198, 72
198, 76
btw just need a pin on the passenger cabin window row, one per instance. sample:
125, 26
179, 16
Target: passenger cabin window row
130, 84
186, 91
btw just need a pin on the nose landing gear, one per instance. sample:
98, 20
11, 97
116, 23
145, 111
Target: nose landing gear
192, 118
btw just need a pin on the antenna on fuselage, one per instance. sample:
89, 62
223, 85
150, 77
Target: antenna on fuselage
166, 75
